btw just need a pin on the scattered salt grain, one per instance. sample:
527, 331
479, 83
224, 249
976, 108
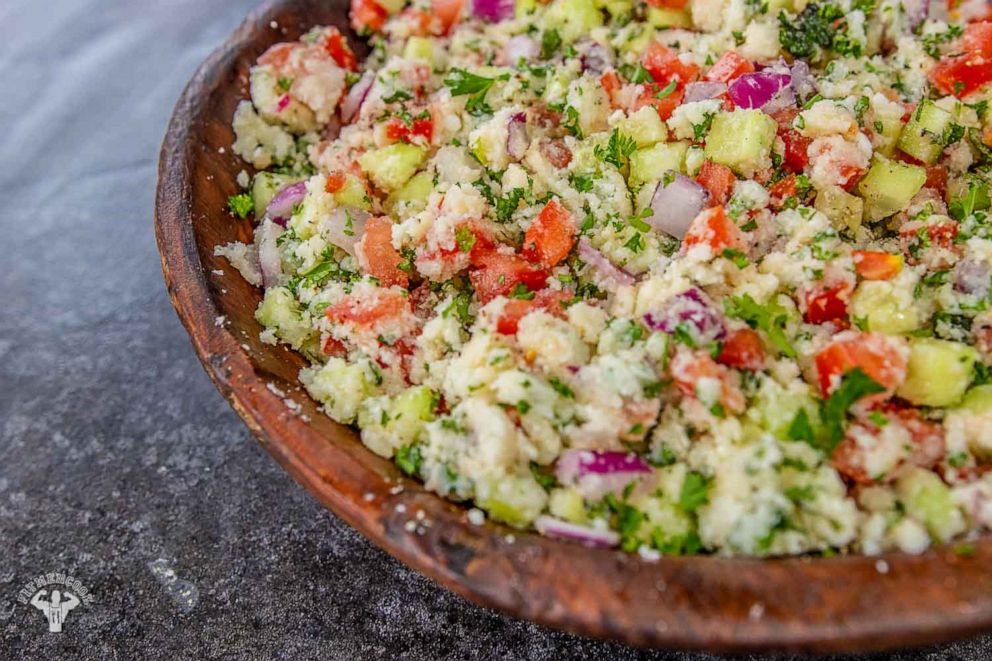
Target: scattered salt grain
881, 566
476, 516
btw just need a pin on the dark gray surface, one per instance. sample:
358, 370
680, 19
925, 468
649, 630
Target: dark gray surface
117, 456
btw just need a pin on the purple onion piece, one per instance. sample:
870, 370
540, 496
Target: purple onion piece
269, 262
356, 96
753, 90
595, 473
552, 527
674, 206
517, 139
344, 227
703, 91
521, 48
493, 10
972, 277
785, 98
610, 275
691, 311
803, 83
594, 57
281, 205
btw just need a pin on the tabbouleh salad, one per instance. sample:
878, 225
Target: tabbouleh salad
684, 276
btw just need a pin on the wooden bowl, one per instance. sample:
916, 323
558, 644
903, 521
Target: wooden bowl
842, 603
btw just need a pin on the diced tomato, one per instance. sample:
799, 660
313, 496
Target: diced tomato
419, 19
398, 131
366, 311
611, 84
718, 179
516, 309
448, 11
879, 356
930, 243
690, 367
551, 236
978, 39
367, 16
333, 347
828, 303
335, 181
556, 151
666, 106
962, 74
782, 190
876, 265
730, 65
501, 273
743, 349
668, 4
664, 65
936, 178
339, 50
795, 158
926, 448
712, 227
378, 255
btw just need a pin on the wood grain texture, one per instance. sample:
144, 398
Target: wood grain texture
718, 604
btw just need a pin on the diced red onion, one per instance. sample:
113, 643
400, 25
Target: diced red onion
693, 311
552, 527
521, 47
594, 57
785, 98
703, 91
610, 275
595, 473
674, 206
281, 206
517, 140
971, 276
283, 102
269, 261
803, 82
356, 96
336, 229
753, 90
494, 10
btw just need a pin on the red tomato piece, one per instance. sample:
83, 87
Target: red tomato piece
335, 181
337, 47
367, 16
730, 65
551, 236
690, 367
978, 39
879, 356
501, 273
828, 303
936, 178
743, 349
367, 311
714, 228
718, 179
795, 158
664, 65
398, 131
666, 106
782, 190
333, 347
876, 265
516, 309
277, 56
962, 74
448, 12
378, 256
927, 445
611, 84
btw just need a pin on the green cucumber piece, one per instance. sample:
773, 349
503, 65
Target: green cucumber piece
741, 140
928, 500
391, 167
889, 186
652, 163
923, 136
938, 372
644, 126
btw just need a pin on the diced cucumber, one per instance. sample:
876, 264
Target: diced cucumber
644, 126
928, 500
652, 163
889, 186
419, 48
774, 408
391, 6
978, 399
938, 372
591, 103
573, 18
412, 198
280, 311
923, 137
888, 128
513, 499
639, 41
662, 18
878, 304
410, 410
844, 210
353, 194
567, 503
741, 140
340, 386
265, 187
964, 193
525, 7
391, 167
616, 8
775, 6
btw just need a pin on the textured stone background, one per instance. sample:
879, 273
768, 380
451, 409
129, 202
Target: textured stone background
119, 463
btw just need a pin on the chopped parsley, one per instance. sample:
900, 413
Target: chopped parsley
462, 82
241, 205
770, 318
617, 151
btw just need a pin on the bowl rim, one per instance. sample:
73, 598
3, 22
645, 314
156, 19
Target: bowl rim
710, 603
